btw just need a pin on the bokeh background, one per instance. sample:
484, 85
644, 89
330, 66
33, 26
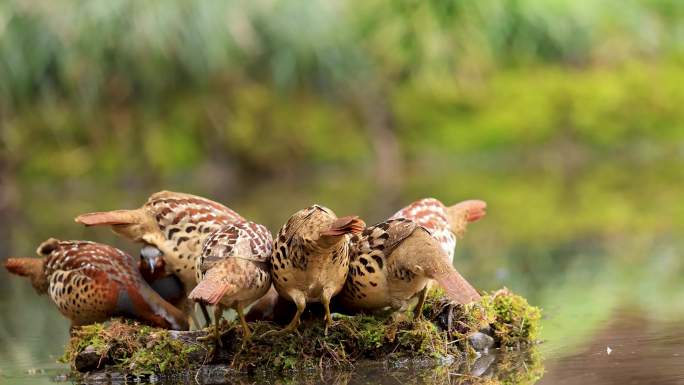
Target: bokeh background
566, 116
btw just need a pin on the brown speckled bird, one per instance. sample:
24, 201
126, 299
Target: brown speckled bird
445, 223
233, 270
175, 223
394, 261
310, 258
153, 269
91, 282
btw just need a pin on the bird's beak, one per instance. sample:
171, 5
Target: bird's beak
152, 262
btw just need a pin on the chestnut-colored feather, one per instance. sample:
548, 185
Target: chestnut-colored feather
209, 292
91, 282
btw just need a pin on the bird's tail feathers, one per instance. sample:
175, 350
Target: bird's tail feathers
345, 225
116, 217
31, 268
463, 213
209, 292
24, 267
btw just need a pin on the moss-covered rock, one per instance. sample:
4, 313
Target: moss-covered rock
129, 347
440, 335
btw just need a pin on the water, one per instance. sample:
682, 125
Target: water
602, 262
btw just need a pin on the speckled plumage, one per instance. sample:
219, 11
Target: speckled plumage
233, 268
175, 223
394, 261
91, 282
310, 258
444, 223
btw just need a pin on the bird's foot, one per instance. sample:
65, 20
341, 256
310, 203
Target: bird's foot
278, 332
213, 334
328, 324
246, 335
399, 317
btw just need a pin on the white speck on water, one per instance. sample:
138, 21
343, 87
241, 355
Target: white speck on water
608, 350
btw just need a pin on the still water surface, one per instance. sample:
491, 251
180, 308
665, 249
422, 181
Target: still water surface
613, 305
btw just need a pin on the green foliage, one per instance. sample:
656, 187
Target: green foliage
110, 88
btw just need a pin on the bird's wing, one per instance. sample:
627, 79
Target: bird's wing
386, 235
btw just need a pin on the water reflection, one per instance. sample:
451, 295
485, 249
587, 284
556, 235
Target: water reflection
630, 349
607, 273
515, 367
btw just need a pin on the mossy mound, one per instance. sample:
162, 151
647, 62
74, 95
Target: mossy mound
446, 331
129, 347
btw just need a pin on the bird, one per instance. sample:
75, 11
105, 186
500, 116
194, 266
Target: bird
177, 224
233, 270
445, 223
395, 260
310, 258
153, 270
92, 282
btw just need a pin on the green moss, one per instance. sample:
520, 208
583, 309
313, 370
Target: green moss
441, 332
515, 321
131, 347
91, 335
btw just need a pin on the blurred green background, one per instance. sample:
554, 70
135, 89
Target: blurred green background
565, 116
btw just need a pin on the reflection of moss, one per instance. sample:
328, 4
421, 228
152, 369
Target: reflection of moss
519, 369
133, 348
442, 332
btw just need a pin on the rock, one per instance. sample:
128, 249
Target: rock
480, 341
88, 360
481, 365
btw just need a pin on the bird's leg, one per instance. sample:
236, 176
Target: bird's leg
418, 310
214, 334
299, 300
247, 333
325, 299
193, 319
205, 313
398, 310
218, 314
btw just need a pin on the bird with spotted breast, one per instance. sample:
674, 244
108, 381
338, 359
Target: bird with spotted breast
310, 258
92, 282
233, 270
445, 223
394, 261
177, 224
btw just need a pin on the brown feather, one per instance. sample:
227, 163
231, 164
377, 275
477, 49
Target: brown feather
24, 267
345, 225
209, 292
117, 217
457, 288
463, 213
